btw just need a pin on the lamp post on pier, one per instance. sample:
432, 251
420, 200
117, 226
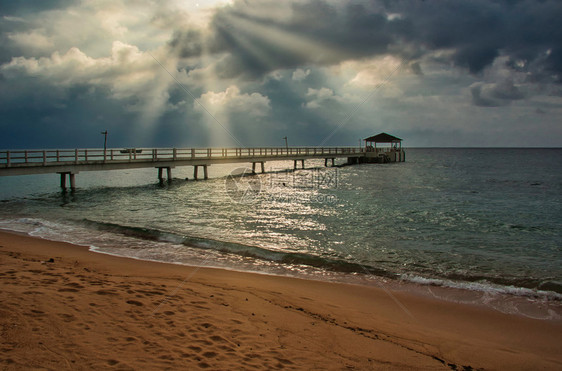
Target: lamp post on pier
286, 145
104, 144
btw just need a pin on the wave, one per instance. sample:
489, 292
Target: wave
282, 257
67, 232
529, 287
485, 285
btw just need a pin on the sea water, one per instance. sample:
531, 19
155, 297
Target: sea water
476, 225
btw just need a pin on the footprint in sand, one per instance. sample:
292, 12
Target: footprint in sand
134, 302
75, 285
67, 290
284, 361
205, 342
198, 302
67, 317
151, 292
217, 338
106, 292
226, 348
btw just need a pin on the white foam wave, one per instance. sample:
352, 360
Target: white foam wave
482, 286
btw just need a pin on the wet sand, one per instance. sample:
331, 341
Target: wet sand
64, 307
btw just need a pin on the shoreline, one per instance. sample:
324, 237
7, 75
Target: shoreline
89, 310
525, 302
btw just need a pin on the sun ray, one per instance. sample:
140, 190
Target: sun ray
251, 33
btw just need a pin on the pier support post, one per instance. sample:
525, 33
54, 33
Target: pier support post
262, 166
196, 171
296, 162
72, 178
329, 158
168, 173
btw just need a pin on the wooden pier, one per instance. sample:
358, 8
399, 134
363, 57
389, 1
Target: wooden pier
69, 162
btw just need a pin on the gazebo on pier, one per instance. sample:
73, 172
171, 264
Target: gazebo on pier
383, 138
393, 153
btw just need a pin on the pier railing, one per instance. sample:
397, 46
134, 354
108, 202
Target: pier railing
17, 158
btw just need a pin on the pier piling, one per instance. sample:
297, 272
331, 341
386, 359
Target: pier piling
196, 171
72, 178
262, 166
168, 174
296, 164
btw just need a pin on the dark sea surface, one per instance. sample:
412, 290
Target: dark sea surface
487, 222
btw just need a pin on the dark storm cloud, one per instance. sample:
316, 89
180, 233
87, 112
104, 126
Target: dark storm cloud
66, 99
8, 26
188, 43
479, 100
340, 34
64, 118
416, 68
21, 8
474, 31
13, 20
495, 95
480, 30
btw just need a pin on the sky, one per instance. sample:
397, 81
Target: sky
247, 73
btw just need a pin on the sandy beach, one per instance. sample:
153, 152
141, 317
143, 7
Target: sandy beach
64, 307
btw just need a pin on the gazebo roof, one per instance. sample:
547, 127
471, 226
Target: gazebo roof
383, 138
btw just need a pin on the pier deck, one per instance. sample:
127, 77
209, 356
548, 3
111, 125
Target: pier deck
73, 161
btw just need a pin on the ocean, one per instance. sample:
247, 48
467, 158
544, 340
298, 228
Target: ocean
480, 226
